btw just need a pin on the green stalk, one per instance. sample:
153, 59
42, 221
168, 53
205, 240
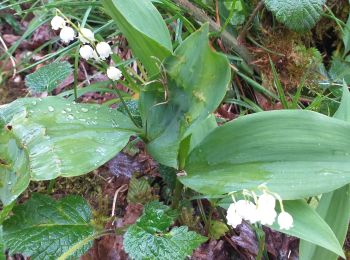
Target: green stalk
177, 194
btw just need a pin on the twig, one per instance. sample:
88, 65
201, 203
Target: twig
121, 189
10, 56
242, 35
228, 40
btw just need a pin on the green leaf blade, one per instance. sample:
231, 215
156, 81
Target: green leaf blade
294, 153
299, 15
145, 30
44, 228
48, 77
197, 81
51, 137
148, 238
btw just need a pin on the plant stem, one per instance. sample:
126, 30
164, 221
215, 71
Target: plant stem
246, 27
177, 194
228, 39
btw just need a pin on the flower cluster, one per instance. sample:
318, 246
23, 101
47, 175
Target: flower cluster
263, 211
89, 49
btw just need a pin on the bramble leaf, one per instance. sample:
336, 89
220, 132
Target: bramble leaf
299, 15
148, 237
47, 78
43, 228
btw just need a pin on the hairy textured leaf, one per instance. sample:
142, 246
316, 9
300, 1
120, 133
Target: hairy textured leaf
294, 153
47, 78
41, 139
148, 237
197, 79
43, 228
334, 207
298, 15
144, 28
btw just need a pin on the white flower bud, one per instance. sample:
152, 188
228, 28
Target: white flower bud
266, 201
266, 216
247, 210
104, 50
232, 217
86, 52
86, 35
285, 220
114, 73
57, 22
67, 34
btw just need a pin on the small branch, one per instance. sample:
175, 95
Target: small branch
228, 40
243, 34
10, 56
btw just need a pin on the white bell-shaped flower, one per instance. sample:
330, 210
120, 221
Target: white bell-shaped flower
57, 22
285, 220
266, 201
266, 216
114, 73
86, 35
67, 34
86, 52
247, 210
104, 50
233, 218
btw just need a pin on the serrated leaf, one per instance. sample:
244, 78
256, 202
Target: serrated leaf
294, 153
41, 139
300, 15
148, 239
139, 191
43, 228
48, 77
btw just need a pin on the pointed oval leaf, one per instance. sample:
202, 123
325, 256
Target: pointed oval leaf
197, 79
309, 226
145, 29
294, 153
334, 207
41, 139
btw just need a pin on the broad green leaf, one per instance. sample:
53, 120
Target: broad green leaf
41, 139
309, 226
2, 246
148, 238
196, 80
47, 78
43, 228
299, 15
145, 30
294, 153
346, 36
334, 207
339, 70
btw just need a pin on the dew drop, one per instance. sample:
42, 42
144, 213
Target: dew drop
64, 112
34, 103
71, 117
51, 109
84, 110
9, 183
68, 109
